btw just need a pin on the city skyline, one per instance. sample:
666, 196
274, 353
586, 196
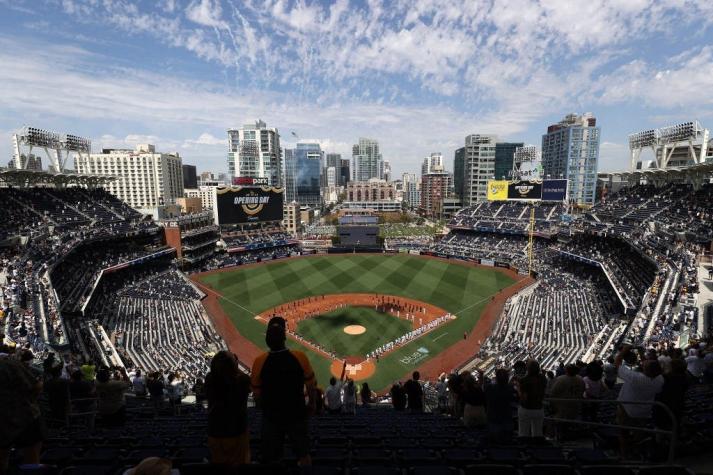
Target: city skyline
178, 74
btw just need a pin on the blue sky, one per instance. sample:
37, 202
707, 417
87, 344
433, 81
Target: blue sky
417, 75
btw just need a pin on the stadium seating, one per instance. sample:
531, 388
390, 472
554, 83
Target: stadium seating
95, 281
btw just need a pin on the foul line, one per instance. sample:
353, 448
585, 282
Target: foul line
476, 303
440, 336
208, 289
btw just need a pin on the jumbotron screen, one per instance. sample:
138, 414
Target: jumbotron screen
243, 204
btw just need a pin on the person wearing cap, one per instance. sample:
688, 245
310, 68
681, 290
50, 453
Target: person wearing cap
279, 377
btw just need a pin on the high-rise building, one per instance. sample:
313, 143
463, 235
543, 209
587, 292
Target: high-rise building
570, 150
344, 172
289, 176
386, 175
432, 162
459, 172
478, 167
435, 187
367, 162
331, 177
331, 160
27, 162
308, 168
254, 151
411, 190
190, 178
504, 159
208, 194
145, 178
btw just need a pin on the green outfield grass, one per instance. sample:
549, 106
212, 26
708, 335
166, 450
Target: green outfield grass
458, 289
328, 330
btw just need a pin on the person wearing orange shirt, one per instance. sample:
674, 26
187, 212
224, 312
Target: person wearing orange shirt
280, 379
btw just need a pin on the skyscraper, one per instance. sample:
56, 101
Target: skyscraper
459, 172
386, 173
344, 172
366, 160
570, 149
254, 151
478, 167
289, 176
432, 162
411, 190
331, 160
308, 168
504, 159
190, 179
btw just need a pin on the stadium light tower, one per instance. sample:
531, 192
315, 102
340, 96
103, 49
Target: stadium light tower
685, 143
57, 147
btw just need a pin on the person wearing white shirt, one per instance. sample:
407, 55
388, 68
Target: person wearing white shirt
696, 364
333, 394
138, 383
637, 387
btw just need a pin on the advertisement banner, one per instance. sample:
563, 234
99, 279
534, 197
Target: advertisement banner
497, 190
554, 190
239, 205
525, 190
487, 262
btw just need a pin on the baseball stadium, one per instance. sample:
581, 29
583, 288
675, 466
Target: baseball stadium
521, 334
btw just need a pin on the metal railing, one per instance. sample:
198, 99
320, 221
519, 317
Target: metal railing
673, 433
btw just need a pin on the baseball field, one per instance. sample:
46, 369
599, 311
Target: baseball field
457, 288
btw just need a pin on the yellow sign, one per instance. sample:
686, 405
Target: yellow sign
497, 190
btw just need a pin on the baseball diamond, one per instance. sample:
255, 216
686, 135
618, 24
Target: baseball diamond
320, 296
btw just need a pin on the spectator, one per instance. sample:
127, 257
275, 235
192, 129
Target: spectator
333, 394
175, 390
366, 395
639, 387
696, 364
279, 378
88, 371
81, 391
57, 390
610, 373
398, 397
155, 386
111, 405
594, 390
442, 391
499, 398
138, 383
531, 391
672, 394
227, 390
414, 393
568, 386
474, 401
22, 426
199, 391
151, 466
350, 397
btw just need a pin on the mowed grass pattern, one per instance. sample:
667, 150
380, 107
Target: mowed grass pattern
328, 330
458, 289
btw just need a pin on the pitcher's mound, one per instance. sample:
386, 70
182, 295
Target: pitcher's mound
354, 329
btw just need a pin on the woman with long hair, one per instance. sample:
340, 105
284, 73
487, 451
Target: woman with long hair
227, 390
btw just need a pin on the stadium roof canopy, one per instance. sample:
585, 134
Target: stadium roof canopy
27, 178
694, 174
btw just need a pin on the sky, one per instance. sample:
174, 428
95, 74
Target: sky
417, 75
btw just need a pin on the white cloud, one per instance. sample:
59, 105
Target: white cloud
206, 13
